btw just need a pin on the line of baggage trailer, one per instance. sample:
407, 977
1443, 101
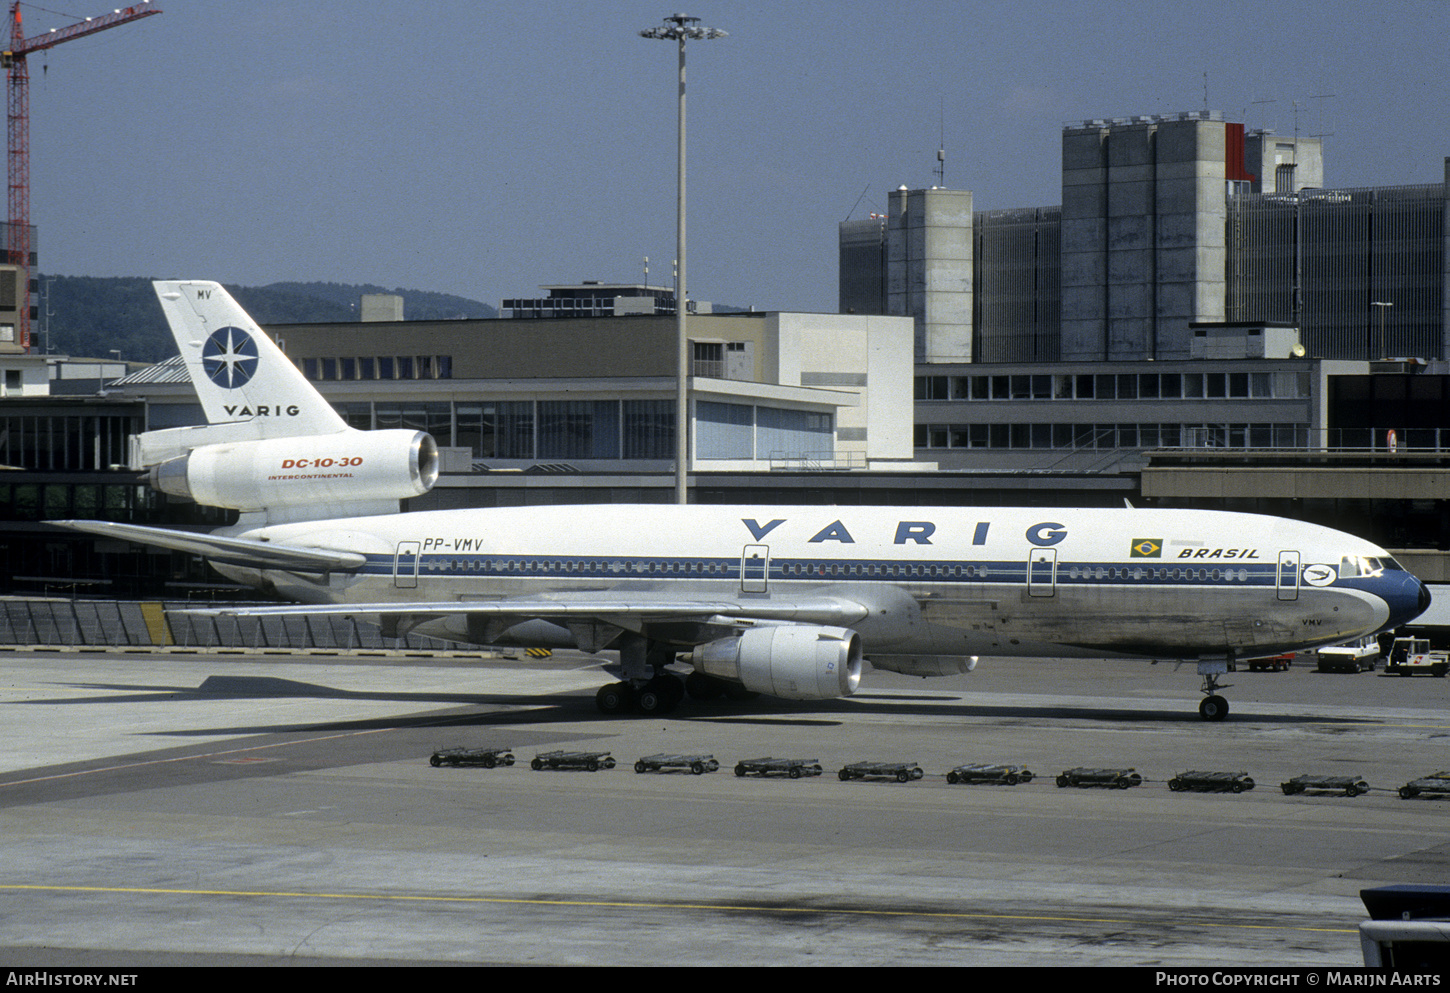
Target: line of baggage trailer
1434, 785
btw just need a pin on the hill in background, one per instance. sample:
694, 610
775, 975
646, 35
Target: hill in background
91, 317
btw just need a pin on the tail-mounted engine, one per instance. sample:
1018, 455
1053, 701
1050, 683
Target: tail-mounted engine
302, 478
794, 661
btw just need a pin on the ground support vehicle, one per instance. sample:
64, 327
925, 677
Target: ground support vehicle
1348, 785
1118, 779
1211, 782
572, 760
902, 772
486, 757
1408, 930
697, 764
1437, 784
1009, 775
794, 768
1412, 655
1355, 656
1274, 663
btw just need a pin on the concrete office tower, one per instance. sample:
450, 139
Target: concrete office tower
1445, 263
929, 269
1143, 233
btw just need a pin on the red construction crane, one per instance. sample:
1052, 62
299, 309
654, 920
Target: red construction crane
17, 246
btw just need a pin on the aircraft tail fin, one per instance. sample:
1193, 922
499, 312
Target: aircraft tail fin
240, 374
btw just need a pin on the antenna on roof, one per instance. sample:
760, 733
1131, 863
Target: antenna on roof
941, 148
1321, 97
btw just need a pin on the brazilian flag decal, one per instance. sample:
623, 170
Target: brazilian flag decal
1146, 548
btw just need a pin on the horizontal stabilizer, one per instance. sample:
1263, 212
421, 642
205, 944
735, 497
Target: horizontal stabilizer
232, 551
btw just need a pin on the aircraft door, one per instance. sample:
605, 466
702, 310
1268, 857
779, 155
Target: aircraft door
1042, 572
405, 565
1287, 580
754, 568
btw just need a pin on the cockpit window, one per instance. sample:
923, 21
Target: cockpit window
1362, 565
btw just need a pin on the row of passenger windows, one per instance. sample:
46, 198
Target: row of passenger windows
828, 569
370, 367
1074, 436
1286, 385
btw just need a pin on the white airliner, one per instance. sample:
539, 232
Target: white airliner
782, 600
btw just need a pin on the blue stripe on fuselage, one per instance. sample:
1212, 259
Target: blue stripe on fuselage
1072, 574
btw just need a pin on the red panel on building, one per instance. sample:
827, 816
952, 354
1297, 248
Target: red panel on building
1233, 153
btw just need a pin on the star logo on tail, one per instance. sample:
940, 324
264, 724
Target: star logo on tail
229, 358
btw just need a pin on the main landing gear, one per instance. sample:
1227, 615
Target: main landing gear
649, 689
646, 688
658, 695
1213, 707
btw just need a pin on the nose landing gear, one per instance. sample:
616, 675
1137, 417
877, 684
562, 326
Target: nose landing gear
1213, 707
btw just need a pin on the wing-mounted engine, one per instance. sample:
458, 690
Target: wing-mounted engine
350, 473
794, 661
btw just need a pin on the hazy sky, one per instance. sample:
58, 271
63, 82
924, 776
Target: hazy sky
485, 148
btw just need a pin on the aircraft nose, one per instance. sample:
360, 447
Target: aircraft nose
1407, 599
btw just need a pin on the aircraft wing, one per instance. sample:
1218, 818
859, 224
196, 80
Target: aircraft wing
629, 607
233, 551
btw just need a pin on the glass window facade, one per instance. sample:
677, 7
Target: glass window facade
373, 367
725, 430
581, 430
1279, 385
1114, 436
65, 441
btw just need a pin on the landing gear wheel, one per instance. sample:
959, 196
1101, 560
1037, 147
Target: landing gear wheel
660, 695
1213, 708
614, 698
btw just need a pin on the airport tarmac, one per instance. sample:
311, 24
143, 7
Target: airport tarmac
233, 808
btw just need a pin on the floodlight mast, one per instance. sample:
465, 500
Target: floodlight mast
681, 28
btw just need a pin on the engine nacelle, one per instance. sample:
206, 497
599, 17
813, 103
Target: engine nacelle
925, 666
794, 661
319, 475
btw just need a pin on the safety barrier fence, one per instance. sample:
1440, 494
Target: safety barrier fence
141, 623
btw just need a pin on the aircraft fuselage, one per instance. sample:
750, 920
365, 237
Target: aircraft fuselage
933, 581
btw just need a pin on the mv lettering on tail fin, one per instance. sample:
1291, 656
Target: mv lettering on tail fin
784, 600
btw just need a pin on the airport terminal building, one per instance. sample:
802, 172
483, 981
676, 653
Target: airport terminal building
1197, 287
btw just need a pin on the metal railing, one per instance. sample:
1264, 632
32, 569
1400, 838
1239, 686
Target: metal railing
111, 623
816, 461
